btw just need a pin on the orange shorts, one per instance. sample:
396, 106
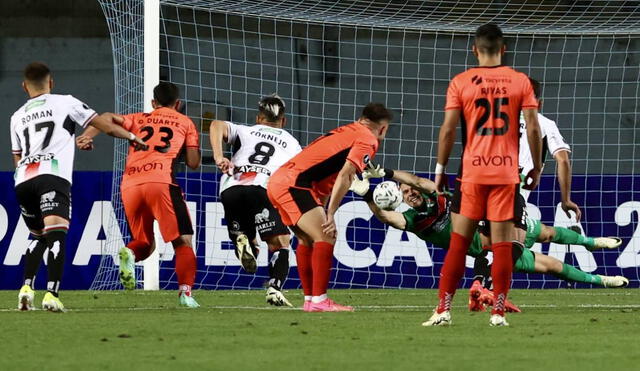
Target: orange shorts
493, 202
291, 202
144, 203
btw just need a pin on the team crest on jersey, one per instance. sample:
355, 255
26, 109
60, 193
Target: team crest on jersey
262, 217
48, 197
476, 80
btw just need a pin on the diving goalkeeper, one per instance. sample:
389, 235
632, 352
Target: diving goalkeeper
429, 219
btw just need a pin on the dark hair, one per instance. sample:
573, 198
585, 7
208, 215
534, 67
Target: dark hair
376, 112
36, 72
535, 84
489, 39
272, 107
166, 94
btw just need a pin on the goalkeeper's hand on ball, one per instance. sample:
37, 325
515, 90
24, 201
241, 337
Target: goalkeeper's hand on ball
359, 187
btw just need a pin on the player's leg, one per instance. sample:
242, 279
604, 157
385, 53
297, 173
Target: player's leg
321, 259
170, 210
140, 221
551, 265
30, 207
240, 211
503, 210
566, 236
278, 268
304, 253
467, 208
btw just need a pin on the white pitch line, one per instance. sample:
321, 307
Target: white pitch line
365, 307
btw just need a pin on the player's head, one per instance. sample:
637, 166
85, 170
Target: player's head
489, 40
411, 196
37, 79
271, 111
166, 94
377, 117
535, 84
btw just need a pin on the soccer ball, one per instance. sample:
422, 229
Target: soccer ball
387, 195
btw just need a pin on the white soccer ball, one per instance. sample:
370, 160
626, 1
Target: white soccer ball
387, 195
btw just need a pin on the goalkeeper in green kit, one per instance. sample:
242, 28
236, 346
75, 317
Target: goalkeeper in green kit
429, 219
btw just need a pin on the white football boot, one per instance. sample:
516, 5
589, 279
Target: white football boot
26, 296
606, 242
614, 281
498, 320
439, 319
276, 298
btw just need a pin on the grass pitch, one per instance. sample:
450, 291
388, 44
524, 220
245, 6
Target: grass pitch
237, 330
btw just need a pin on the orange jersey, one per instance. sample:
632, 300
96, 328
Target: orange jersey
166, 132
318, 165
490, 100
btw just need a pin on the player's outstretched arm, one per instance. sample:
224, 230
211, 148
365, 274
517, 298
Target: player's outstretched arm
446, 139
535, 145
219, 132
564, 179
393, 218
404, 177
111, 124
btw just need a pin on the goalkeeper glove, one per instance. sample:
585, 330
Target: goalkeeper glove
359, 187
377, 171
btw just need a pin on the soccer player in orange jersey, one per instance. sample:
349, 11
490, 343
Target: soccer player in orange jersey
300, 188
149, 190
487, 100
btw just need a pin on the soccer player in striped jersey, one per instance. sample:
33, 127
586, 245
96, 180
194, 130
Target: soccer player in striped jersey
258, 151
487, 100
429, 218
42, 141
301, 188
150, 191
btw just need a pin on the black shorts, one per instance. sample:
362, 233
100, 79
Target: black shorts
519, 220
247, 209
43, 196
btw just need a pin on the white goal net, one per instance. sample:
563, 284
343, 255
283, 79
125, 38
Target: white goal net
327, 59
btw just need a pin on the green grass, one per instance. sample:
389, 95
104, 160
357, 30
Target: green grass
236, 330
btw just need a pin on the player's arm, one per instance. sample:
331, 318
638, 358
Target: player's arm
446, 139
361, 188
340, 189
219, 132
110, 124
392, 218
564, 179
535, 145
16, 159
404, 177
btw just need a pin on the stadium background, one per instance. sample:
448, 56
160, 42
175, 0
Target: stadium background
79, 52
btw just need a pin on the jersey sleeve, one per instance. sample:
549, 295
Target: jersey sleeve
410, 217
453, 96
555, 141
192, 139
528, 97
129, 120
79, 112
233, 132
361, 153
16, 148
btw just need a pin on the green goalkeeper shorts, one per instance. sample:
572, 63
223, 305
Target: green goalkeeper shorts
534, 227
526, 262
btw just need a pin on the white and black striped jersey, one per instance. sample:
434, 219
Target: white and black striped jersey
552, 142
258, 151
43, 134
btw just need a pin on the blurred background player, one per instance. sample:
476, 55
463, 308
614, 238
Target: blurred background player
258, 151
489, 99
301, 187
429, 218
149, 190
42, 143
553, 142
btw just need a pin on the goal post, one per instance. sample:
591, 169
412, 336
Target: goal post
328, 58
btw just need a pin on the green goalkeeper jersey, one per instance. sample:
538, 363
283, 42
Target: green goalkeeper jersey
431, 222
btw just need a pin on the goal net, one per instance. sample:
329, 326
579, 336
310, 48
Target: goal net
327, 59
